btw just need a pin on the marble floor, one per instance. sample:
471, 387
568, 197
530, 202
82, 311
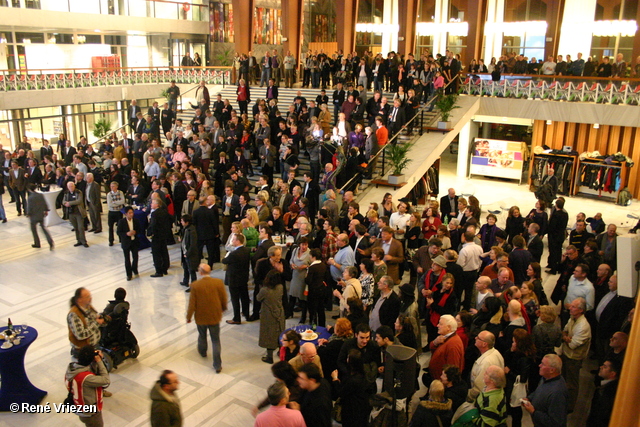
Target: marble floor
36, 285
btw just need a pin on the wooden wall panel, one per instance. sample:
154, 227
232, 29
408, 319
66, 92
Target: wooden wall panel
570, 133
625, 144
558, 135
592, 139
580, 142
634, 184
614, 139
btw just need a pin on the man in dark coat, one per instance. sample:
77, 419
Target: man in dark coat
311, 190
160, 232
37, 210
128, 229
207, 224
605, 394
556, 230
167, 116
449, 205
190, 254
237, 277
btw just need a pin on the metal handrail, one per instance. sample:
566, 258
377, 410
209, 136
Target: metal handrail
39, 71
108, 133
382, 152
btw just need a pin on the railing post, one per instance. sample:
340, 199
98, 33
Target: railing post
383, 160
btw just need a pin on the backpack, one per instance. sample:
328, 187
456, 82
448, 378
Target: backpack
624, 197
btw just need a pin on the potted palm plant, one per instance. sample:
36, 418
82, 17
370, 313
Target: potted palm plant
399, 159
445, 105
101, 128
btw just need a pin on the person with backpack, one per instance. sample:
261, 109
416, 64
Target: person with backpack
86, 380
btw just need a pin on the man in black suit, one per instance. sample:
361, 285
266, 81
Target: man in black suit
311, 190
339, 95
264, 243
610, 313
230, 209
37, 210
160, 232
68, 152
396, 118
207, 224
605, 394
33, 173
189, 253
237, 277
140, 124
361, 243
167, 116
321, 99
534, 242
449, 205
132, 114
272, 91
136, 192
128, 229
556, 230
154, 112
243, 207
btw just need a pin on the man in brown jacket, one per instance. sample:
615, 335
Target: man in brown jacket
207, 301
393, 252
18, 183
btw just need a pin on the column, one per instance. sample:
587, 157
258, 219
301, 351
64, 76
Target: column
346, 16
555, 10
243, 13
440, 39
407, 23
390, 17
467, 134
636, 40
493, 42
292, 27
575, 35
476, 11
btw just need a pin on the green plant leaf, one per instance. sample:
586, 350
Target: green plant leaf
445, 104
101, 128
399, 157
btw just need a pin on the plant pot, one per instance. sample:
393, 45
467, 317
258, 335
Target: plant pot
396, 179
444, 125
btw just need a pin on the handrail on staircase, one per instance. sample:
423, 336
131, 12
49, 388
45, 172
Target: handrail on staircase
423, 109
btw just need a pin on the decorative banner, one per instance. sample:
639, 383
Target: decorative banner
221, 26
492, 157
267, 25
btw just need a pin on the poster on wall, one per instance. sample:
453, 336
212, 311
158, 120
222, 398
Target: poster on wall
501, 159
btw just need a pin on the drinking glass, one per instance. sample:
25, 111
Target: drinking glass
17, 330
24, 328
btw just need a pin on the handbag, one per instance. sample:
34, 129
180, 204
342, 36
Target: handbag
336, 412
519, 392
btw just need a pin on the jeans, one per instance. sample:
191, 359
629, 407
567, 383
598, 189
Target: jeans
6, 184
266, 75
377, 83
3, 214
173, 104
214, 332
189, 274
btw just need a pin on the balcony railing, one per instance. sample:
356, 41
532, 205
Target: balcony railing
78, 78
554, 88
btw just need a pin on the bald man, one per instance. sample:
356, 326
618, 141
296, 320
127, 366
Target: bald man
207, 302
308, 354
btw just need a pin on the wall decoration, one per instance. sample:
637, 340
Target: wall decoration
267, 25
492, 157
221, 26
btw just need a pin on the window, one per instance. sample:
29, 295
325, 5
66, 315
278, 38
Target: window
30, 37
530, 46
527, 10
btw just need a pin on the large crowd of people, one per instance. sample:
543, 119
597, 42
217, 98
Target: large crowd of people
441, 280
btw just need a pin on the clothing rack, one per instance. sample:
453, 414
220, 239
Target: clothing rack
428, 185
565, 167
595, 178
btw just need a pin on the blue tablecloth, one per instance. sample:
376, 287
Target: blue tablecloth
141, 216
320, 330
16, 387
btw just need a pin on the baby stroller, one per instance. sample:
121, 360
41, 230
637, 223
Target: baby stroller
118, 342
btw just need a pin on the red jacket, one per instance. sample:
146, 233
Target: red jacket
450, 352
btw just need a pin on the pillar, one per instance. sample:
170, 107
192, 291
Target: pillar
292, 27
407, 22
440, 38
636, 40
493, 42
476, 11
346, 16
555, 10
243, 13
465, 138
390, 17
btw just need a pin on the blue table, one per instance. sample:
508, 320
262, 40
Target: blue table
16, 387
141, 216
320, 330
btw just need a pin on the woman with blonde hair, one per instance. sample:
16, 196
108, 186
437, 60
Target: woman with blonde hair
252, 216
250, 233
324, 118
436, 410
236, 228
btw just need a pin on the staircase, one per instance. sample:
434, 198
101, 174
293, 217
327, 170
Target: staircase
285, 98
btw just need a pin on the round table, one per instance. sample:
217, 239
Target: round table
16, 387
50, 197
320, 330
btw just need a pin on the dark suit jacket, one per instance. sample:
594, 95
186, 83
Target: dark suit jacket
389, 310
536, 247
36, 207
123, 228
140, 192
160, 224
130, 113
444, 207
602, 404
274, 92
96, 202
190, 241
261, 252
313, 194
35, 177
613, 315
238, 263
45, 151
364, 244
315, 280
154, 113
234, 209
68, 155
207, 223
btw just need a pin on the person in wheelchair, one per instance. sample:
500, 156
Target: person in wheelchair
118, 342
